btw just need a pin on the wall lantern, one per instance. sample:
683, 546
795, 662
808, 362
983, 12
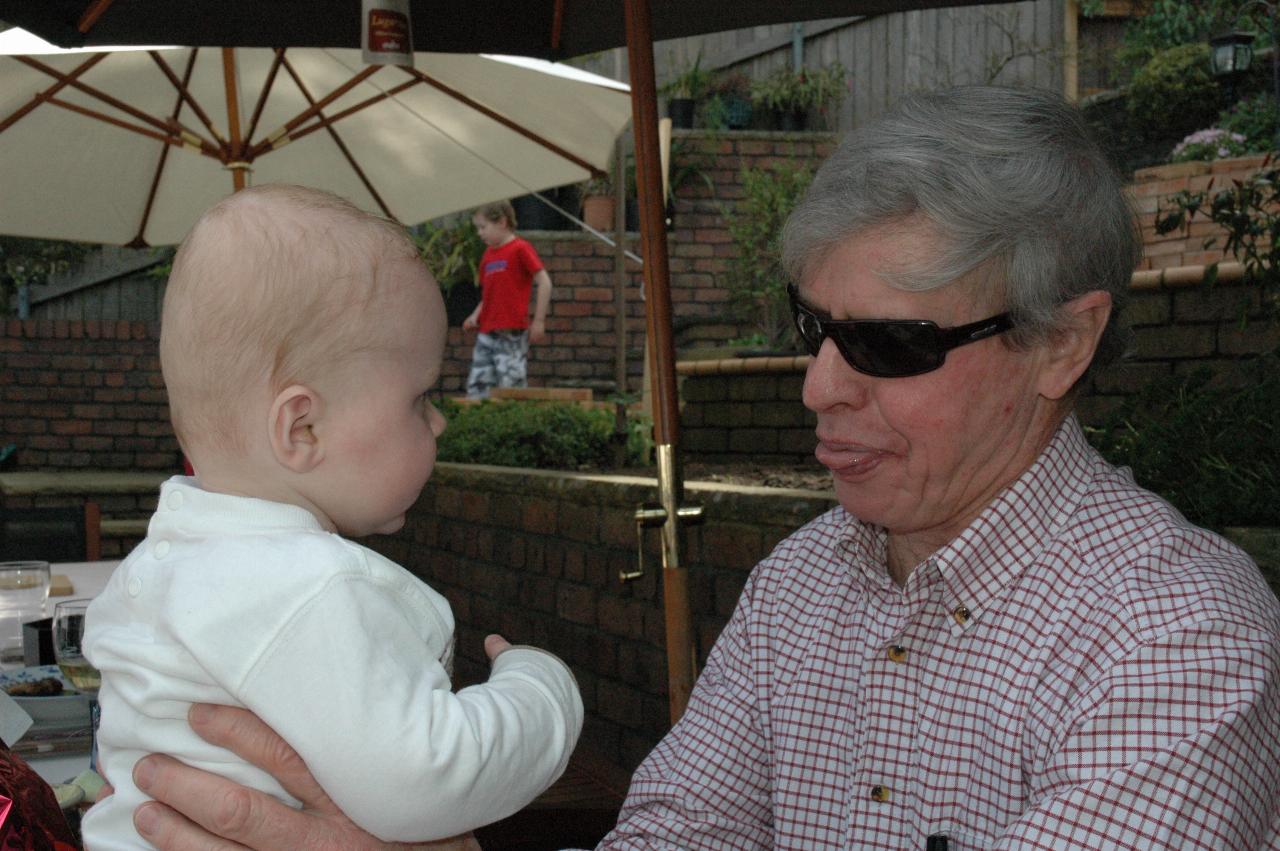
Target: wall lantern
1230, 53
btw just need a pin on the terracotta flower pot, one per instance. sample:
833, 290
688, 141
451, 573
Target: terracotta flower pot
597, 211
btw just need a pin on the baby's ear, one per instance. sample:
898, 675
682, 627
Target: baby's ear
294, 412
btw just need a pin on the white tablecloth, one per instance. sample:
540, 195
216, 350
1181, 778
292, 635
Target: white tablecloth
88, 578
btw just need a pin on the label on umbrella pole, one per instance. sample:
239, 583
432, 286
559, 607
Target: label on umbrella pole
386, 33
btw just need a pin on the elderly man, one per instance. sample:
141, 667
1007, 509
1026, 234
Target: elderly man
997, 639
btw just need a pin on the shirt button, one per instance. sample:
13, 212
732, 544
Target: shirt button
961, 614
135, 586
161, 549
880, 794
174, 500
897, 653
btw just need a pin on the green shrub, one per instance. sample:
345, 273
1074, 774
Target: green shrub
451, 248
756, 282
1169, 23
1210, 447
1254, 118
541, 435
1248, 210
1175, 92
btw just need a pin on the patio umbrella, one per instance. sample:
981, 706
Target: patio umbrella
130, 146
551, 29
544, 28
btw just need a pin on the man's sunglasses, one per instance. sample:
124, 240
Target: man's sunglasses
890, 348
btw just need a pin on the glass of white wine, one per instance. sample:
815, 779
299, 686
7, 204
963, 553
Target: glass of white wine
68, 652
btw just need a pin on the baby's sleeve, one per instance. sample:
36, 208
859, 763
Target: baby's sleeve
355, 682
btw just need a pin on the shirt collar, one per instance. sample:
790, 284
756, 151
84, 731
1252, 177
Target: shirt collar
1004, 539
1011, 532
186, 510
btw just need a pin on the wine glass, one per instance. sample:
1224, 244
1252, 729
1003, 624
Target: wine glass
24, 587
68, 652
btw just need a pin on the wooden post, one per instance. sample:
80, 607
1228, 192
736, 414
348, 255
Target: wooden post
681, 660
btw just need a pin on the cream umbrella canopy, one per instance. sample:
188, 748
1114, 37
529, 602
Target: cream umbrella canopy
129, 146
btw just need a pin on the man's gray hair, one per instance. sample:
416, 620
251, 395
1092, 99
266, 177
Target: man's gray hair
1011, 181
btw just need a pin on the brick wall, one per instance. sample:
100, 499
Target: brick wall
89, 394
1151, 189
582, 320
84, 394
536, 555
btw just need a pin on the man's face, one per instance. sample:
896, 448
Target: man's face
922, 455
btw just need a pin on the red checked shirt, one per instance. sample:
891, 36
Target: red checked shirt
1081, 668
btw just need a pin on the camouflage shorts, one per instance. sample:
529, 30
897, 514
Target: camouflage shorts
500, 359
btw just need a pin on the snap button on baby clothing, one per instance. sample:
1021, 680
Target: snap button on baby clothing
135, 586
174, 500
161, 549
961, 614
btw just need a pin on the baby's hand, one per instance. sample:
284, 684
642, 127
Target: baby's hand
494, 645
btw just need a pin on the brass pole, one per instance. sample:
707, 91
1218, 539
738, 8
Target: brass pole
681, 660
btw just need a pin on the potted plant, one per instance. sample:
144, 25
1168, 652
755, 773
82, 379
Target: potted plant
795, 96
598, 203
452, 248
728, 105
684, 91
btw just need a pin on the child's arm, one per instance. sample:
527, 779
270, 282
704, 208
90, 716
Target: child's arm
355, 686
538, 329
472, 322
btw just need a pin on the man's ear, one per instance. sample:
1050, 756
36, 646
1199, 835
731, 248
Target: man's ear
1071, 350
294, 412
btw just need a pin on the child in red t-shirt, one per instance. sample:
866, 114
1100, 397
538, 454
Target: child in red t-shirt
508, 270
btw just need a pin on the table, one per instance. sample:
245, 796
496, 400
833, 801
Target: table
88, 578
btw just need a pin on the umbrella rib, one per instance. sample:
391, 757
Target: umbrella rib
281, 138
262, 96
92, 13
178, 141
503, 120
139, 241
557, 23
47, 94
316, 108
95, 93
184, 94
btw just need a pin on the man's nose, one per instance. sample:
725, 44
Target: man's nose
830, 381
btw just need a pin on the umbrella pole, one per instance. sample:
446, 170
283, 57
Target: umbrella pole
681, 661
237, 165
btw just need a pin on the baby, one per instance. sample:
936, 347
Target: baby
299, 342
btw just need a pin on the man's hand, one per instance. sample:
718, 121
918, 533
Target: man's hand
198, 811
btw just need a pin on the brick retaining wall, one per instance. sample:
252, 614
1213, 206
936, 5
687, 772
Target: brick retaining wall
536, 555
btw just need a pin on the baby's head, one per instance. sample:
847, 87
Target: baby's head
299, 338
496, 222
